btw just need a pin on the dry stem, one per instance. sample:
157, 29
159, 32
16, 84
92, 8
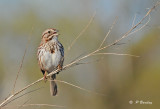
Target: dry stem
14, 86
80, 87
108, 32
84, 29
25, 105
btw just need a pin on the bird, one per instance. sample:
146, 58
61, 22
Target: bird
50, 56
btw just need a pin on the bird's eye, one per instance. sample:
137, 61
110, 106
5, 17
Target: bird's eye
49, 31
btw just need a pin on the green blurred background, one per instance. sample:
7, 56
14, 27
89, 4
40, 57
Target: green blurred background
120, 78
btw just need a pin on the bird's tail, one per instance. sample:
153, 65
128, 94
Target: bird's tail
53, 85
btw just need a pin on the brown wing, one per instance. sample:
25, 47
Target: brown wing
39, 59
61, 48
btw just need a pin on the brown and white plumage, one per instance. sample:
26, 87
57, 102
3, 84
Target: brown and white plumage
50, 56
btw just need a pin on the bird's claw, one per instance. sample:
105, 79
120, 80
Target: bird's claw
45, 77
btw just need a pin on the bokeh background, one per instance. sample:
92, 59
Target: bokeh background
120, 78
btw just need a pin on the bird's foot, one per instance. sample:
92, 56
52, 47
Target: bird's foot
59, 67
45, 77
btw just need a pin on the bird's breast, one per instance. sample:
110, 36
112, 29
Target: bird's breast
50, 60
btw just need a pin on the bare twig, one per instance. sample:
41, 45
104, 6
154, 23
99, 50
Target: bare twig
80, 87
84, 29
116, 54
149, 18
134, 20
77, 60
108, 32
131, 29
22, 95
29, 38
25, 105
16, 93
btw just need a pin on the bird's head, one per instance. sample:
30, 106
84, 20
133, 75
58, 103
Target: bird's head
50, 34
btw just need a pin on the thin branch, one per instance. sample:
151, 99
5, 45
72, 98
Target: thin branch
81, 33
108, 32
29, 38
80, 87
131, 29
134, 20
116, 41
22, 95
116, 54
25, 105
149, 18
20, 68
16, 93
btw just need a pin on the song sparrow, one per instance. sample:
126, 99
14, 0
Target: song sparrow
50, 56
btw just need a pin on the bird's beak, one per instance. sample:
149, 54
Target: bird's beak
56, 33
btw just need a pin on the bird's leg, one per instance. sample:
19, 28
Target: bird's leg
59, 67
45, 77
